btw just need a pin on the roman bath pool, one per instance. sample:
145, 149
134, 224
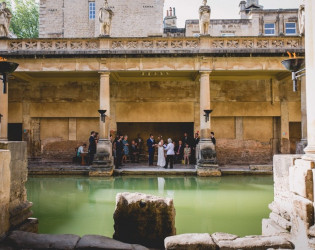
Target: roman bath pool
83, 205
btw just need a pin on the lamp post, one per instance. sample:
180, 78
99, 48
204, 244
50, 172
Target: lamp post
6, 68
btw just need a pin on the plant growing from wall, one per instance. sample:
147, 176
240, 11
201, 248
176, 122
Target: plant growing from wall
24, 23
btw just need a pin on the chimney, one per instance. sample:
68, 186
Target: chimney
170, 21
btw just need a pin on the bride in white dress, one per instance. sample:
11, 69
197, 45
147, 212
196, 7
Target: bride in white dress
161, 157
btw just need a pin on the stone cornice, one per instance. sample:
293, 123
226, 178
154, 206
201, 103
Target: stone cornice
152, 46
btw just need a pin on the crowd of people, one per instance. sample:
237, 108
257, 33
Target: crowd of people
169, 152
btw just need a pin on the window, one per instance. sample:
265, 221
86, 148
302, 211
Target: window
92, 10
269, 29
290, 28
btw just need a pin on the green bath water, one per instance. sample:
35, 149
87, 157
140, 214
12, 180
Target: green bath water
83, 205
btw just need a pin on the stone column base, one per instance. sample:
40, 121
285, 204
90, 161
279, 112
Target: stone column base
209, 171
103, 164
207, 159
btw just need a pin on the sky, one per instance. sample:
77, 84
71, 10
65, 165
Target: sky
220, 9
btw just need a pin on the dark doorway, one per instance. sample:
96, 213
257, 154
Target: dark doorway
15, 131
295, 135
172, 130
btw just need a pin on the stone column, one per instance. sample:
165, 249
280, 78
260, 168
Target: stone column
103, 160
310, 75
205, 127
285, 137
206, 154
3, 111
303, 143
105, 104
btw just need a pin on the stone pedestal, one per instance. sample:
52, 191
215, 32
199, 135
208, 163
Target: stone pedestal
103, 164
207, 159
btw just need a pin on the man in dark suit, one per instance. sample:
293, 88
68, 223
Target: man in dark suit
151, 147
92, 147
119, 151
186, 140
179, 152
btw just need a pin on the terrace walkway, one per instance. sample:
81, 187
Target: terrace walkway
54, 168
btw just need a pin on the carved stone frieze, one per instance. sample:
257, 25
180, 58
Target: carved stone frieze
117, 45
177, 44
218, 43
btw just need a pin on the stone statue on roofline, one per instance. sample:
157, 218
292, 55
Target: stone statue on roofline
5, 19
105, 17
204, 18
301, 20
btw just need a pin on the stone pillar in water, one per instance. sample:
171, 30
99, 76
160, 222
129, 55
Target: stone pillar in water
206, 154
103, 161
144, 219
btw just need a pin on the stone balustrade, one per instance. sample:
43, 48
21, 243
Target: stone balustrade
153, 45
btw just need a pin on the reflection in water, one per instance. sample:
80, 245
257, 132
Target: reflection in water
83, 205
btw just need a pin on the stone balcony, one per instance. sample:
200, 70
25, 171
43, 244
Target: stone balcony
105, 47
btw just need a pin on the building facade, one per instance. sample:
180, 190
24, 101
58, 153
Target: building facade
158, 85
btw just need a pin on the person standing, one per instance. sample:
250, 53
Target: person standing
92, 147
126, 148
186, 139
119, 152
151, 148
194, 147
169, 154
214, 141
134, 152
139, 143
187, 151
179, 152
161, 157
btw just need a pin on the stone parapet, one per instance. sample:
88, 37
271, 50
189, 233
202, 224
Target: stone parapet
19, 207
104, 47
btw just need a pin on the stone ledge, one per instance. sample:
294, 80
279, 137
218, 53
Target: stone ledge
102, 242
190, 242
25, 240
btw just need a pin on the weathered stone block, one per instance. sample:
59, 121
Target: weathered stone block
281, 165
223, 236
5, 177
282, 222
102, 242
25, 240
143, 219
271, 228
190, 242
261, 167
301, 180
256, 243
304, 209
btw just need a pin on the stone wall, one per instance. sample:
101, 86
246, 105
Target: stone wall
5, 157
59, 111
132, 18
292, 211
19, 207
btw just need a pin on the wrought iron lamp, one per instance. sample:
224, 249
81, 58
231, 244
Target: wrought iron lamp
297, 67
102, 113
6, 68
207, 114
